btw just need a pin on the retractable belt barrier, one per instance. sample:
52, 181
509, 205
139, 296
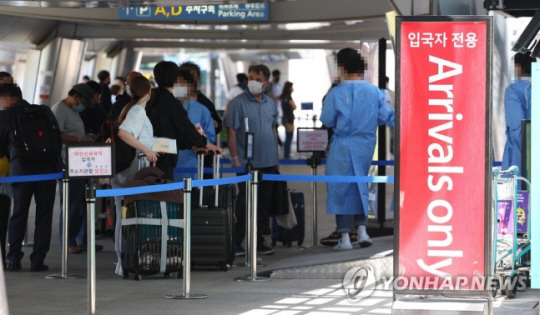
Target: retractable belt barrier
171, 186
328, 178
30, 178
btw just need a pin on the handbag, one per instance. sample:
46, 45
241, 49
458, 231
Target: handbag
288, 220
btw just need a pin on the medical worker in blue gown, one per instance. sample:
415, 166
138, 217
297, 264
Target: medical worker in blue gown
186, 91
517, 106
353, 110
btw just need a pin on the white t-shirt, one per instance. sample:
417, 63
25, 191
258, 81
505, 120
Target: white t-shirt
276, 90
139, 126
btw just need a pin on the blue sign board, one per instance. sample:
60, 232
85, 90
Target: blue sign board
210, 12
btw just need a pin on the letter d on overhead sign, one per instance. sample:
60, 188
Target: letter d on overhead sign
359, 282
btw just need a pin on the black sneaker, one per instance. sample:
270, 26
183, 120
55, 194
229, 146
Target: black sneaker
265, 250
39, 267
334, 237
14, 266
331, 240
240, 251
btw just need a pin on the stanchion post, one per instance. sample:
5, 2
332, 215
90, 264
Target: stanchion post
64, 275
314, 224
253, 227
249, 218
91, 248
186, 270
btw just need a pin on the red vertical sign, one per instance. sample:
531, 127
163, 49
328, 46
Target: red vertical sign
443, 151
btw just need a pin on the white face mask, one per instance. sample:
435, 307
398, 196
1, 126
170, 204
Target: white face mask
179, 91
255, 87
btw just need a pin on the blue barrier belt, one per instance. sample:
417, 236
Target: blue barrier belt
328, 178
31, 178
138, 190
100, 193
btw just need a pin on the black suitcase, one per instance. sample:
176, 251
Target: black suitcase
296, 234
142, 239
212, 224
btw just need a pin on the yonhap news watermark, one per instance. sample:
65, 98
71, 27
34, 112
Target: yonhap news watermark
360, 282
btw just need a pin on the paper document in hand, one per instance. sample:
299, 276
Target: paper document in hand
165, 145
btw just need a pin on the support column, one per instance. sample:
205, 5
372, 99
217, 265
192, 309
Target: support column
102, 63
535, 175
128, 60
29, 86
59, 68
381, 170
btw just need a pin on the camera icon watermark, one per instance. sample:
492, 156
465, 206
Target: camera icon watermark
359, 282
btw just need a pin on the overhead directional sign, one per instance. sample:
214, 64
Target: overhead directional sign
210, 12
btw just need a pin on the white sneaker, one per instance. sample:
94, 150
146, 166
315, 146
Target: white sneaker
364, 240
340, 246
119, 270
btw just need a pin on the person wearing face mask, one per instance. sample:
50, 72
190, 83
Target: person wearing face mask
254, 111
354, 110
170, 119
72, 131
185, 90
124, 98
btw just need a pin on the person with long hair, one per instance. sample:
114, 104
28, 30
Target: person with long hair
137, 131
287, 106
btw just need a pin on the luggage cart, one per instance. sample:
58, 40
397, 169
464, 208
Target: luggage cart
511, 248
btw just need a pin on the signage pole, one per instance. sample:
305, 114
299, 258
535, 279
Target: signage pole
65, 218
91, 248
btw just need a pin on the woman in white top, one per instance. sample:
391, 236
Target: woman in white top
135, 130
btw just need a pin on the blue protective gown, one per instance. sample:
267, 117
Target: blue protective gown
198, 114
353, 109
517, 106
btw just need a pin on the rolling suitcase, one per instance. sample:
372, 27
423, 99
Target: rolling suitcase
296, 234
212, 223
152, 236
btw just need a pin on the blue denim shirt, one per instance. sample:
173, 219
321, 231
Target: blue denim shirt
247, 114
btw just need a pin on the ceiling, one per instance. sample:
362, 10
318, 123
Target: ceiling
292, 24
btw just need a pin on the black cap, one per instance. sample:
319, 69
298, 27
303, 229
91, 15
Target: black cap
85, 92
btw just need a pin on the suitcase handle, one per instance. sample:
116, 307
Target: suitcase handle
200, 172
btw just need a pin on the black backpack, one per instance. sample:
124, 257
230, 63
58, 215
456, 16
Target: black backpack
37, 135
123, 152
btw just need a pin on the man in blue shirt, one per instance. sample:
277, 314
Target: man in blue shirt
253, 111
185, 90
517, 106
